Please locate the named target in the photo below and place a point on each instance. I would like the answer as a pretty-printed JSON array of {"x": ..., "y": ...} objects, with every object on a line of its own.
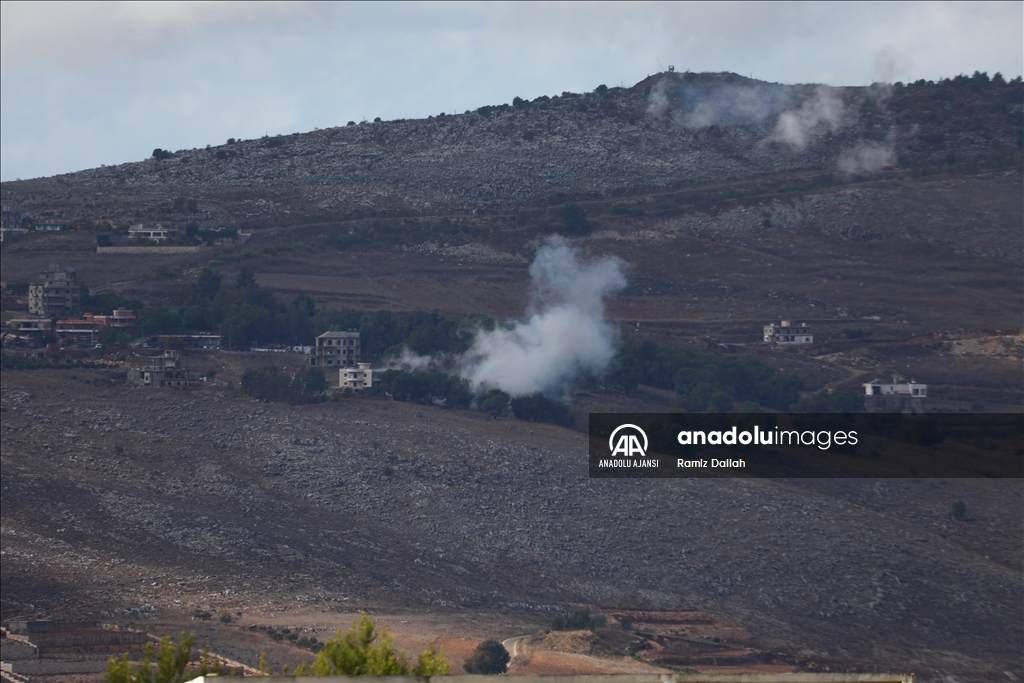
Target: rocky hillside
[
  {"x": 670, "y": 130},
  {"x": 121, "y": 503}
]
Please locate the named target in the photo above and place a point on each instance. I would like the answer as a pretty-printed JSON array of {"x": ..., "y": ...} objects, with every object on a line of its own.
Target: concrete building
[
  {"x": 358, "y": 378},
  {"x": 86, "y": 330},
  {"x": 879, "y": 395},
  {"x": 166, "y": 370},
  {"x": 787, "y": 333},
  {"x": 52, "y": 226},
  {"x": 57, "y": 293},
  {"x": 12, "y": 223},
  {"x": 336, "y": 350},
  {"x": 158, "y": 233}
]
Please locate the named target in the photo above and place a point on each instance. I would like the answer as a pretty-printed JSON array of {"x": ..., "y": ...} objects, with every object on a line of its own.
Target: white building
[
  {"x": 336, "y": 349},
  {"x": 156, "y": 234},
  {"x": 906, "y": 395},
  {"x": 357, "y": 378},
  {"x": 787, "y": 332}
]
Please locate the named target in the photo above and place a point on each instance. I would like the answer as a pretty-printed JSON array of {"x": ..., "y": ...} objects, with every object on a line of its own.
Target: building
[
  {"x": 358, "y": 378},
  {"x": 787, "y": 333},
  {"x": 52, "y": 226},
  {"x": 904, "y": 395},
  {"x": 86, "y": 330},
  {"x": 30, "y": 326},
  {"x": 58, "y": 293},
  {"x": 12, "y": 223},
  {"x": 336, "y": 350},
  {"x": 157, "y": 233},
  {"x": 166, "y": 370}
]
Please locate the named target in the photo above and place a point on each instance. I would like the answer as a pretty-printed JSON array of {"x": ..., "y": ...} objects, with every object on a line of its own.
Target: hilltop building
[
  {"x": 167, "y": 370},
  {"x": 787, "y": 333},
  {"x": 58, "y": 293},
  {"x": 358, "y": 378},
  {"x": 336, "y": 349},
  {"x": 156, "y": 234},
  {"x": 904, "y": 395}
]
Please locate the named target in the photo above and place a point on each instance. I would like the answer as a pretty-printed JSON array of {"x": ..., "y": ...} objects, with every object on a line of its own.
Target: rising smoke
[
  {"x": 563, "y": 335},
  {"x": 816, "y": 116}
]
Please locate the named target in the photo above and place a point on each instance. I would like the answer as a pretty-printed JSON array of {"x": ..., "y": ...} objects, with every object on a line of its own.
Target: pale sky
[{"x": 84, "y": 84}]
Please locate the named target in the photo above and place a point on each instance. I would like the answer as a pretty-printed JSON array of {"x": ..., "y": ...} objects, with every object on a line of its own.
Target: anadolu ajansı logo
[{"x": 628, "y": 443}]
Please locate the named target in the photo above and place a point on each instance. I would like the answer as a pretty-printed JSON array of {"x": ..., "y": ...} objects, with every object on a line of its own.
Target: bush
[
  {"x": 495, "y": 403},
  {"x": 489, "y": 657},
  {"x": 959, "y": 511},
  {"x": 171, "y": 660},
  {"x": 271, "y": 384},
  {"x": 577, "y": 621},
  {"x": 574, "y": 220},
  {"x": 364, "y": 652},
  {"x": 539, "y": 408}
]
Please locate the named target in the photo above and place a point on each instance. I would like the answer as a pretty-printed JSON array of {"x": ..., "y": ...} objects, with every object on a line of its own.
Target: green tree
[
  {"x": 489, "y": 657},
  {"x": 246, "y": 277},
  {"x": 362, "y": 651},
  {"x": 574, "y": 220},
  {"x": 171, "y": 660},
  {"x": 495, "y": 403}
]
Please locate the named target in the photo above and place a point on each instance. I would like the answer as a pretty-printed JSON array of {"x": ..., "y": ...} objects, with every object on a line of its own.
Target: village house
[
  {"x": 86, "y": 330},
  {"x": 904, "y": 395},
  {"x": 336, "y": 349},
  {"x": 158, "y": 233},
  {"x": 358, "y": 378},
  {"x": 787, "y": 332},
  {"x": 166, "y": 370}
]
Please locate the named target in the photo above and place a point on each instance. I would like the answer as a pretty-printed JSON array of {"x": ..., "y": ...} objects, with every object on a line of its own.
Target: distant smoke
[
  {"x": 563, "y": 335},
  {"x": 821, "y": 114},
  {"x": 699, "y": 105},
  {"x": 868, "y": 157}
]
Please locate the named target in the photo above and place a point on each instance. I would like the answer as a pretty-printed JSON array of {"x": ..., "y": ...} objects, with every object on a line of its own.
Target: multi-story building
[
  {"x": 787, "y": 332},
  {"x": 58, "y": 293},
  {"x": 336, "y": 350},
  {"x": 357, "y": 378}
]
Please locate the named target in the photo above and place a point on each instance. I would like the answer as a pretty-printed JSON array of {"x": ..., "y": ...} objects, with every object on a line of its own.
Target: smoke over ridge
[{"x": 563, "y": 334}]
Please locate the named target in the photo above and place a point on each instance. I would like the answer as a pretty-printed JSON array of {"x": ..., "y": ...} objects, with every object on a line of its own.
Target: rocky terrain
[
  {"x": 733, "y": 203},
  {"x": 670, "y": 130},
  {"x": 126, "y": 504}
]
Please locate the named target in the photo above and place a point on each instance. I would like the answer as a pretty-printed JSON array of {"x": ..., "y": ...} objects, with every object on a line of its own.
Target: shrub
[
  {"x": 495, "y": 403},
  {"x": 574, "y": 220},
  {"x": 539, "y": 408},
  {"x": 489, "y": 657},
  {"x": 959, "y": 511},
  {"x": 362, "y": 651}
]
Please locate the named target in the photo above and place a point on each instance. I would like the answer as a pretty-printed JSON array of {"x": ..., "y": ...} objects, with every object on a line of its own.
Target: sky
[{"x": 86, "y": 84}]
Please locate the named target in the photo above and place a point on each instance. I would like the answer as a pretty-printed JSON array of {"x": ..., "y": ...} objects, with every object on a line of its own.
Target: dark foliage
[
  {"x": 574, "y": 220},
  {"x": 703, "y": 382},
  {"x": 843, "y": 401},
  {"x": 271, "y": 384},
  {"x": 577, "y": 621},
  {"x": 539, "y": 408},
  {"x": 489, "y": 657},
  {"x": 427, "y": 387}
]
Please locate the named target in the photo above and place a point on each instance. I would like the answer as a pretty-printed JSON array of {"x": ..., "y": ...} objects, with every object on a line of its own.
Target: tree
[
  {"x": 171, "y": 660},
  {"x": 246, "y": 277},
  {"x": 362, "y": 651},
  {"x": 495, "y": 403},
  {"x": 574, "y": 220},
  {"x": 208, "y": 284},
  {"x": 489, "y": 657}
]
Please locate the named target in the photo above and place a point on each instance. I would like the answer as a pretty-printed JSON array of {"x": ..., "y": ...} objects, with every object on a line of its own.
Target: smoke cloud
[
  {"x": 821, "y": 114},
  {"x": 563, "y": 334},
  {"x": 868, "y": 157}
]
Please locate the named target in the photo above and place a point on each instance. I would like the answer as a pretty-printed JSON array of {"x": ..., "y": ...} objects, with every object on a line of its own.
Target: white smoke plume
[
  {"x": 564, "y": 333},
  {"x": 822, "y": 113},
  {"x": 867, "y": 157}
]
